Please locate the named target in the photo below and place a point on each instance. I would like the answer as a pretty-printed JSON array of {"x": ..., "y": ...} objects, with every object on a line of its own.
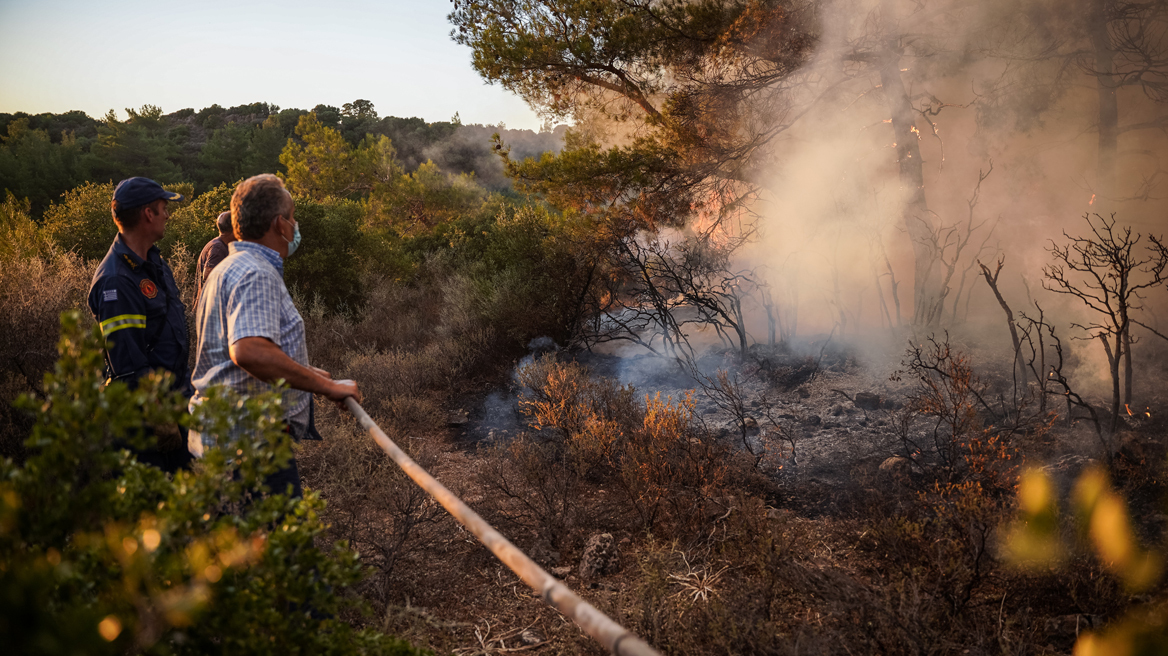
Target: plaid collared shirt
[{"x": 245, "y": 296}]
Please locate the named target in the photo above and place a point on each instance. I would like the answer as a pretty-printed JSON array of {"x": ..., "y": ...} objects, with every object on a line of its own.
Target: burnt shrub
[
  {"x": 668, "y": 471},
  {"x": 373, "y": 505},
  {"x": 535, "y": 487}
]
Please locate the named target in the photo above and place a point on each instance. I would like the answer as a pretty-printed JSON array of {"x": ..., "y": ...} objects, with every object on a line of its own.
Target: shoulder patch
[
  {"x": 110, "y": 295},
  {"x": 149, "y": 289}
]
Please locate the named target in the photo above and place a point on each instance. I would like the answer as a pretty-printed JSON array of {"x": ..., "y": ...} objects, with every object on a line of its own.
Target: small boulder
[
  {"x": 813, "y": 420},
  {"x": 458, "y": 418},
  {"x": 867, "y": 401},
  {"x": 531, "y": 637},
  {"x": 897, "y": 468},
  {"x": 600, "y": 557}
]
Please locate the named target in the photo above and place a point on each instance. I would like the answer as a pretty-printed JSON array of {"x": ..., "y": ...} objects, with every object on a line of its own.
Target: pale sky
[{"x": 60, "y": 55}]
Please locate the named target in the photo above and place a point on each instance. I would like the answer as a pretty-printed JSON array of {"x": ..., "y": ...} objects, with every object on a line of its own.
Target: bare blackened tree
[
  {"x": 1044, "y": 358},
  {"x": 948, "y": 245},
  {"x": 660, "y": 288},
  {"x": 893, "y": 36},
  {"x": 992, "y": 280},
  {"x": 1038, "y": 351},
  {"x": 1106, "y": 273},
  {"x": 700, "y": 274},
  {"x": 1128, "y": 47}
]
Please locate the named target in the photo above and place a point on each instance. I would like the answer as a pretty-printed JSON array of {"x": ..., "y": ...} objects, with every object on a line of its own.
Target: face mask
[{"x": 295, "y": 243}]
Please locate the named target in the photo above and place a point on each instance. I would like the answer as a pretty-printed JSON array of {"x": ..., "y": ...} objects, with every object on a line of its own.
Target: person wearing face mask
[{"x": 249, "y": 333}]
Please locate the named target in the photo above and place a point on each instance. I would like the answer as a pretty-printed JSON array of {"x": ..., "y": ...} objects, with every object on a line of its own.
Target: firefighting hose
[{"x": 613, "y": 636}]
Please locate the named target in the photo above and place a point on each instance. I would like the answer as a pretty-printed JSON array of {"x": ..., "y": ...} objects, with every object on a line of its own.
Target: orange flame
[
  {"x": 1129, "y": 412},
  {"x": 1092, "y": 201}
]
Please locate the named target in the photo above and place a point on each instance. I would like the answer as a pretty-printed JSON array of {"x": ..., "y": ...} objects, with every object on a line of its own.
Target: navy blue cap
[{"x": 136, "y": 192}]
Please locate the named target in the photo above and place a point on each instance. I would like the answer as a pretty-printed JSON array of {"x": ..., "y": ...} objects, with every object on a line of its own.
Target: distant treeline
[{"x": 44, "y": 155}]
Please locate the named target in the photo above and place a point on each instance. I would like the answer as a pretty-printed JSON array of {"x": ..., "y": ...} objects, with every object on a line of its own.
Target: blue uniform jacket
[{"x": 137, "y": 304}]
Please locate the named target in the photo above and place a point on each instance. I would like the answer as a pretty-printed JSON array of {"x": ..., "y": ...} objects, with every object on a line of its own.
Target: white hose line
[{"x": 613, "y": 636}]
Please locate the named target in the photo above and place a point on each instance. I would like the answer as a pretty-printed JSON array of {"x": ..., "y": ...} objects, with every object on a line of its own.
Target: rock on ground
[{"x": 601, "y": 556}]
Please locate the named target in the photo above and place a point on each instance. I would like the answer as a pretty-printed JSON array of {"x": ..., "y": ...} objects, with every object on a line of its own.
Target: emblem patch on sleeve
[
  {"x": 149, "y": 289},
  {"x": 110, "y": 295}
]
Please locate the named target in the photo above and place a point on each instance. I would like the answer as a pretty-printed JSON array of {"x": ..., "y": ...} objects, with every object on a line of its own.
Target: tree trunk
[
  {"x": 895, "y": 285},
  {"x": 918, "y": 223},
  {"x": 1104, "y": 67},
  {"x": 768, "y": 303},
  {"x": 1127, "y": 366},
  {"x": 1113, "y": 367},
  {"x": 992, "y": 281}
]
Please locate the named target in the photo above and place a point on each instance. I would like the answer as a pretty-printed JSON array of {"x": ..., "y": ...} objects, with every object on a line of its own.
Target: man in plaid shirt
[{"x": 249, "y": 332}]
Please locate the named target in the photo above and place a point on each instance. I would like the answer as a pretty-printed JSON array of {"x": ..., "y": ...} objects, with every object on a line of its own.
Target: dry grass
[{"x": 33, "y": 294}]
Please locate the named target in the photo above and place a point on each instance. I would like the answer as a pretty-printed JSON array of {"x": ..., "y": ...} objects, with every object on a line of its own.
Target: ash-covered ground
[{"x": 826, "y": 409}]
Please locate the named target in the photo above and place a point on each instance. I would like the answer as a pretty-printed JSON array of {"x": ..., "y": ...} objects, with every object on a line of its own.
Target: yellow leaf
[
  {"x": 1111, "y": 531},
  {"x": 110, "y": 628},
  {"x": 1089, "y": 487},
  {"x": 1035, "y": 492}
]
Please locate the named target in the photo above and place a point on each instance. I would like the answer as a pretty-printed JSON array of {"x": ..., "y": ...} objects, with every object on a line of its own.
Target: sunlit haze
[{"x": 62, "y": 55}]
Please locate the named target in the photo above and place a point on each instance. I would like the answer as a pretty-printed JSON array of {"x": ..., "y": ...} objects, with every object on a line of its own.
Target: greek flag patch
[{"x": 110, "y": 295}]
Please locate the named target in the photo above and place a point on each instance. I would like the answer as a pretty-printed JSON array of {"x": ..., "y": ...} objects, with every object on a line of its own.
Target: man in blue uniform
[{"x": 135, "y": 300}]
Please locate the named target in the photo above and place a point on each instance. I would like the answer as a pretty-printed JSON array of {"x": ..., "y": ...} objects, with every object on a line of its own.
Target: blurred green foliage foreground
[{"x": 101, "y": 554}]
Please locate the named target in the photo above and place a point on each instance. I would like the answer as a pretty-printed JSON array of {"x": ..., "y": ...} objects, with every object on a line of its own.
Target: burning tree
[{"x": 1106, "y": 272}]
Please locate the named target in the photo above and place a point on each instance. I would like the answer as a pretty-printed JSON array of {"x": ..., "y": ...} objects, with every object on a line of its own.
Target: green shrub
[
  {"x": 100, "y": 554},
  {"x": 193, "y": 223},
  {"x": 326, "y": 265},
  {"x": 82, "y": 221}
]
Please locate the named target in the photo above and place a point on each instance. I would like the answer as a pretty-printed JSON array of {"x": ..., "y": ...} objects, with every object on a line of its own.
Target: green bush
[
  {"x": 100, "y": 554},
  {"x": 326, "y": 267},
  {"x": 82, "y": 221},
  {"x": 193, "y": 223}
]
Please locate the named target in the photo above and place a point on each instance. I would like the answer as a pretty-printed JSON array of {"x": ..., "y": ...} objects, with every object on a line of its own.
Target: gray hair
[
  {"x": 256, "y": 202},
  {"x": 224, "y": 223}
]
